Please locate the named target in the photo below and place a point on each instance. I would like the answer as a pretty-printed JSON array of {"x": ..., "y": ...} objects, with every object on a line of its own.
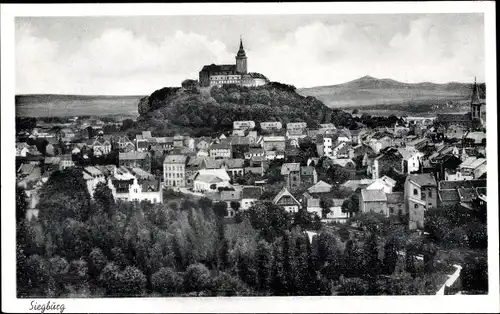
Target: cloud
[{"x": 120, "y": 61}]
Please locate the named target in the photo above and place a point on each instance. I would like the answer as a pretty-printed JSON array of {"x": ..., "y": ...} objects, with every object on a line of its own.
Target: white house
[
  {"x": 385, "y": 183},
  {"x": 336, "y": 214},
  {"x": 128, "y": 187},
  {"x": 471, "y": 168},
  {"x": 410, "y": 159},
  {"x": 210, "y": 180}
]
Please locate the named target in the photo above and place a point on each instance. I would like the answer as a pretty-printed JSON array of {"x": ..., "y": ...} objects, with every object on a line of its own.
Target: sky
[{"x": 139, "y": 54}]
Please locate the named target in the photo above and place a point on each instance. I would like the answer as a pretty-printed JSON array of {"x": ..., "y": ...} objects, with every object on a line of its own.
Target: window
[
  {"x": 430, "y": 193},
  {"x": 415, "y": 192},
  {"x": 391, "y": 210},
  {"x": 416, "y": 206}
]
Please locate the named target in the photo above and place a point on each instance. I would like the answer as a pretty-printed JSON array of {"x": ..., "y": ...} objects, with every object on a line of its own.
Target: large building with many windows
[
  {"x": 220, "y": 74},
  {"x": 174, "y": 170}
]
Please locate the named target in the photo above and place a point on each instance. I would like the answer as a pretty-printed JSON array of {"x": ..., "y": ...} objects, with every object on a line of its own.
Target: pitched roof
[
  {"x": 449, "y": 195},
  {"x": 395, "y": 197},
  {"x": 388, "y": 180},
  {"x": 344, "y": 162},
  {"x": 175, "y": 159},
  {"x": 448, "y": 185},
  {"x": 423, "y": 179},
  {"x": 52, "y": 160},
  {"x": 208, "y": 178},
  {"x": 220, "y": 173},
  {"x": 251, "y": 192},
  {"x": 230, "y": 195},
  {"x": 286, "y": 168},
  {"x": 467, "y": 194},
  {"x": 234, "y": 162},
  {"x": 219, "y": 68},
  {"x": 284, "y": 192},
  {"x": 26, "y": 168},
  {"x": 93, "y": 171},
  {"x": 373, "y": 195},
  {"x": 307, "y": 171},
  {"x": 472, "y": 162},
  {"x": 133, "y": 155},
  {"x": 321, "y": 185},
  {"x": 220, "y": 146}
]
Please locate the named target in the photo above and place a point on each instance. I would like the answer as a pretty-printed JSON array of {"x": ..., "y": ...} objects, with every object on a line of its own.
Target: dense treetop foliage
[{"x": 218, "y": 107}]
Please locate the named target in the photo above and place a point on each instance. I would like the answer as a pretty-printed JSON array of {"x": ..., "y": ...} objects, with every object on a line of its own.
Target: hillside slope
[
  {"x": 216, "y": 108},
  {"x": 368, "y": 91}
]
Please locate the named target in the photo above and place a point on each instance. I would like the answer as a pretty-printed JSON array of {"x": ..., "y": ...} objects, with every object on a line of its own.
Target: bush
[
  {"x": 166, "y": 281},
  {"x": 197, "y": 278}
]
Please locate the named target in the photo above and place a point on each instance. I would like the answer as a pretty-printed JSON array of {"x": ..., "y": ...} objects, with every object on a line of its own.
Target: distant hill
[
  {"x": 50, "y": 105},
  {"x": 215, "y": 109},
  {"x": 367, "y": 91}
]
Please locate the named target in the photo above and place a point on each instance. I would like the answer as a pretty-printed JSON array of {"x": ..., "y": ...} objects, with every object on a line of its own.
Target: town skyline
[{"x": 124, "y": 56}]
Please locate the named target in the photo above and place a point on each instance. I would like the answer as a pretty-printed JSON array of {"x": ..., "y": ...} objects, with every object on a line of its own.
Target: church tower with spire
[
  {"x": 241, "y": 60},
  {"x": 475, "y": 104}
]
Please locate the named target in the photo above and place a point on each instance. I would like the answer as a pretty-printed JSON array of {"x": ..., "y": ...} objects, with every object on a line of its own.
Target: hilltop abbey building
[{"x": 219, "y": 74}]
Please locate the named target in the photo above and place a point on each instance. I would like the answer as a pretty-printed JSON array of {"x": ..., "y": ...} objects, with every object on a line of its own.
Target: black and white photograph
[{"x": 247, "y": 153}]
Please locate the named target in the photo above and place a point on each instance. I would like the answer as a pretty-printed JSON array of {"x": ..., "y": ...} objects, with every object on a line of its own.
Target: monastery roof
[{"x": 219, "y": 68}]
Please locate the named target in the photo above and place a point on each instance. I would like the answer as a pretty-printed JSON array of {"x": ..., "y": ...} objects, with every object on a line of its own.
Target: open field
[{"x": 75, "y": 105}]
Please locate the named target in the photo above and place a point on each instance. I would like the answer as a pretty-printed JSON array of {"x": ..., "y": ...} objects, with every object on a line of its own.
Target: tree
[
  {"x": 264, "y": 265},
  {"x": 302, "y": 218},
  {"x": 58, "y": 269},
  {"x": 37, "y": 274},
  {"x": 338, "y": 174},
  {"x": 390, "y": 256},
  {"x": 352, "y": 259},
  {"x": 371, "y": 261},
  {"x": 104, "y": 199},
  {"x": 475, "y": 275},
  {"x": 271, "y": 220},
  {"x": 127, "y": 124},
  {"x": 21, "y": 204},
  {"x": 226, "y": 285},
  {"x": 352, "y": 286},
  {"x": 235, "y": 206},
  {"x": 351, "y": 205},
  {"x": 326, "y": 203},
  {"x": 65, "y": 195},
  {"x": 78, "y": 273},
  {"x": 197, "y": 278},
  {"x": 167, "y": 281},
  {"x": 220, "y": 209},
  {"x": 132, "y": 282}
]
